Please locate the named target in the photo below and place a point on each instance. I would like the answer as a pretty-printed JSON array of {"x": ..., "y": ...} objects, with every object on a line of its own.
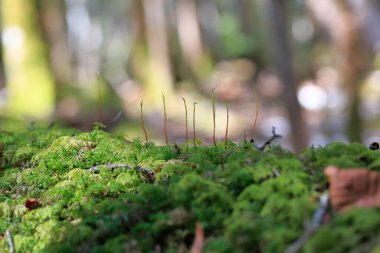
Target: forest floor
[{"x": 62, "y": 190}]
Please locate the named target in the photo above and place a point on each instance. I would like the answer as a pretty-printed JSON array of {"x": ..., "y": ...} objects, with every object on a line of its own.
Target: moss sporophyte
[{"x": 62, "y": 190}]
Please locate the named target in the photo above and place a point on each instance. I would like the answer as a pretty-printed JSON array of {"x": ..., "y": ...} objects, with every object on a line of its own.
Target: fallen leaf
[
  {"x": 32, "y": 204},
  {"x": 353, "y": 188}
]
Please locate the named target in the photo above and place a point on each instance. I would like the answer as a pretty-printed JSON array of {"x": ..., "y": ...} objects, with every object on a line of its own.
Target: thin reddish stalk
[
  {"x": 213, "y": 114},
  {"x": 99, "y": 100},
  {"x": 195, "y": 145},
  {"x": 187, "y": 135},
  {"x": 257, "y": 113},
  {"x": 165, "y": 124},
  {"x": 226, "y": 134},
  {"x": 142, "y": 122}
]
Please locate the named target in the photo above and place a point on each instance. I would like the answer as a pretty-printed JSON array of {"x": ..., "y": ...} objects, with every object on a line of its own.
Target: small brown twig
[
  {"x": 245, "y": 136},
  {"x": 142, "y": 122},
  {"x": 198, "y": 240},
  {"x": 99, "y": 99},
  {"x": 195, "y": 145},
  {"x": 110, "y": 166},
  {"x": 187, "y": 136},
  {"x": 165, "y": 124},
  {"x": 257, "y": 114},
  {"x": 226, "y": 134},
  {"x": 272, "y": 138}
]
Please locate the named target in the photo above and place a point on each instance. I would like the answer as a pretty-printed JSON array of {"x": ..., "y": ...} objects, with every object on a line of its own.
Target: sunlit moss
[{"x": 247, "y": 200}]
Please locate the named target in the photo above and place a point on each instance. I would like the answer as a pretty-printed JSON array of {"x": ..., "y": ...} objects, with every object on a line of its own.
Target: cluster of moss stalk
[{"x": 213, "y": 116}]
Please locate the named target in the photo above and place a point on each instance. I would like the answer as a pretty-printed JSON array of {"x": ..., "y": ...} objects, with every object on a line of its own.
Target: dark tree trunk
[{"x": 282, "y": 57}]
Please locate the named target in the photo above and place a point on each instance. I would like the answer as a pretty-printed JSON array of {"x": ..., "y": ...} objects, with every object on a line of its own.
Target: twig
[
  {"x": 271, "y": 139},
  {"x": 142, "y": 122},
  {"x": 257, "y": 114},
  {"x": 165, "y": 124},
  {"x": 311, "y": 227},
  {"x": 111, "y": 166},
  {"x": 276, "y": 172},
  {"x": 226, "y": 134},
  {"x": 199, "y": 239},
  {"x": 195, "y": 145},
  {"x": 115, "y": 119},
  {"x": 10, "y": 241},
  {"x": 177, "y": 149}
]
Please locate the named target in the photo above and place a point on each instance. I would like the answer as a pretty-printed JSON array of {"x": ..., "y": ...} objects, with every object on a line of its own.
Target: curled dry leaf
[
  {"x": 32, "y": 204},
  {"x": 199, "y": 239},
  {"x": 353, "y": 188}
]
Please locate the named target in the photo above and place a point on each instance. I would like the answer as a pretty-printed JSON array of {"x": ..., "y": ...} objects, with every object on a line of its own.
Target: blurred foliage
[{"x": 54, "y": 51}]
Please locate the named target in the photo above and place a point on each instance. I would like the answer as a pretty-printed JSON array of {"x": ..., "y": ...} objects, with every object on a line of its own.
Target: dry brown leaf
[
  {"x": 353, "y": 188},
  {"x": 32, "y": 204}
]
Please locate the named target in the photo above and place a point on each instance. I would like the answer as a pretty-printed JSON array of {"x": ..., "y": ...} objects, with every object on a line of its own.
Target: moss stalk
[
  {"x": 257, "y": 114},
  {"x": 186, "y": 128},
  {"x": 213, "y": 114},
  {"x": 195, "y": 145},
  {"x": 165, "y": 120},
  {"x": 142, "y": 122},
  {"x": 226, "y": 134},
  {"x": 99, "y": 99}
]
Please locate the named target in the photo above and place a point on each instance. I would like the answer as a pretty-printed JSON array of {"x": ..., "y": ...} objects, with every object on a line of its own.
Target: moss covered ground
[{"x": 148, "y": 198}]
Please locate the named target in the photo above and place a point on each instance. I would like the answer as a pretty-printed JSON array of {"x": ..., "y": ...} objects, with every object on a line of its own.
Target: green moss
[
  {"x": 210, "y": 202},
  {"x": 247, "y": 200},
  {"x": 353, "y": 229}
]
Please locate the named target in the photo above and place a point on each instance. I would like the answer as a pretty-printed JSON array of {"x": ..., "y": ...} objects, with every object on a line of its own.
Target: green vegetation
[{"x": 246, "y": 199}]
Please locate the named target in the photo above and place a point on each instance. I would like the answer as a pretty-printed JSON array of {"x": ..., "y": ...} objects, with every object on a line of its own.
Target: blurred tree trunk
[
  {"x": 2, "y": 71},
  {"x": 138, "y": 55},
  {"x": 150, "y": 61},
  {"x": 30, "y": 81},
  {"x": 208, "y": 26},
  {"x": 189, "y": 33},
  {"x": 354, "y": 66},
  {"x": 52, "y": 19},
  {"x": 282, "y": 57},
  {"x": 161, "y": 77},
  {"x": 368, "y": 13},
  {"x": 342, "y": 25},
  {"x": 243, "y": 8}
]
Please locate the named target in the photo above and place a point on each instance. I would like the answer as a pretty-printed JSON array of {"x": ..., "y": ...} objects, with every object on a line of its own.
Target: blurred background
[{"x": 313, "y": 66}]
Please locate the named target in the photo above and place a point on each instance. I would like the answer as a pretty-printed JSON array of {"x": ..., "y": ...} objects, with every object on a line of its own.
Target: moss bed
[{"x": 246, "y": 199}]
